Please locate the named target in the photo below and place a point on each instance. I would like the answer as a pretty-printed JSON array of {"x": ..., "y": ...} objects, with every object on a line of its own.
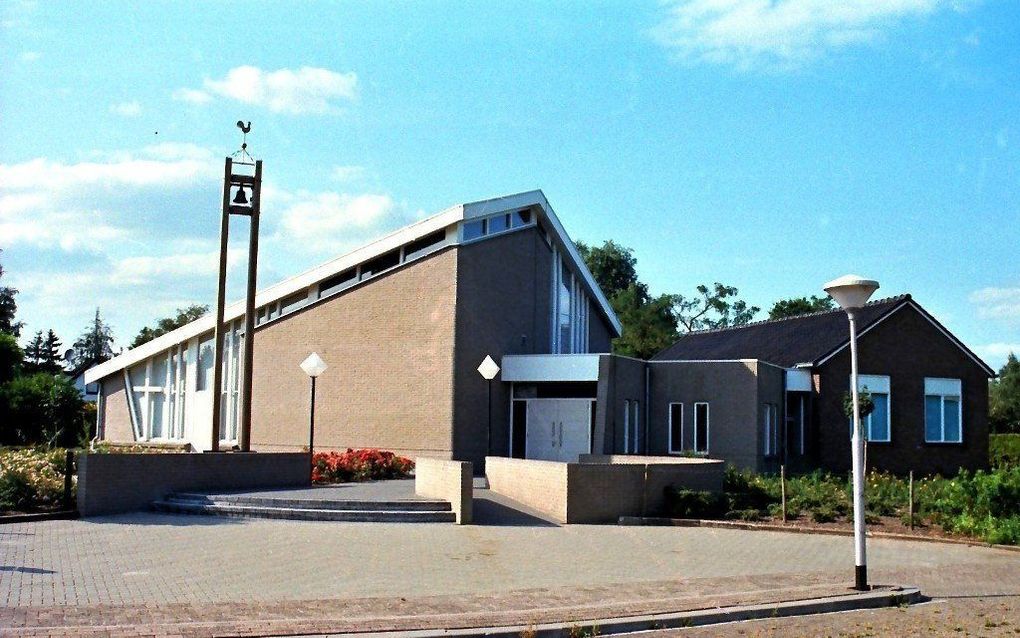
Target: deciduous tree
[
  {"x": 715, "y": 306},
  {"x": 167, "y": 324},
  {"x": 800, "y": 306},
  {"x": 8, "y": 308},
  {"x": 1004, "y": 398}
]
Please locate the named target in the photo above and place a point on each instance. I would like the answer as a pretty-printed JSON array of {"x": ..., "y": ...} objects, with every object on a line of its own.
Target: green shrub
[
  {"x": 42, "y": 409},
  {"x": 1004, "y": 450},
  {"x": 31, "y": 479},
  {"x": 683, "y": 503}
]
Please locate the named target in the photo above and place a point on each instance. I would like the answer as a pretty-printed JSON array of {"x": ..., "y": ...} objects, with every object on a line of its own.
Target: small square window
[
  {"x": 498, "y": 224},
  {"x": 474, "y": 230},
  {"x": 521, "y": 218}
]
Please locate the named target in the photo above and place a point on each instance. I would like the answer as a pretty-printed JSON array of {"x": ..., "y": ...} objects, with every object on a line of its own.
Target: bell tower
[{"x": 242, "y": 174}]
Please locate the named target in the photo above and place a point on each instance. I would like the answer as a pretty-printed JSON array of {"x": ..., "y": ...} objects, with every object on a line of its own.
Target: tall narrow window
[
  {"x": 564, "y": 310},
  {"x": 626, "y": 426},
  {"x": 157, "y": 406},
  {"x": 770, "y": 427},
  {"x": 676, "y": 428},
  {"x": 636, "y": 427},
  {"x": 206, "y": 358},
  {"x": 701, "y": 428},
  {"x": 943, "y": 411}
]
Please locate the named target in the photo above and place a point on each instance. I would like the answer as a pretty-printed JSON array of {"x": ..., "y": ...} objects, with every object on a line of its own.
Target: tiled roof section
[{"x": 785, "y": 342}]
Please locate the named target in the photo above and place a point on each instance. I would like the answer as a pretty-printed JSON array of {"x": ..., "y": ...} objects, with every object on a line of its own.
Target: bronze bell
[{"x": 241, "y": 198}]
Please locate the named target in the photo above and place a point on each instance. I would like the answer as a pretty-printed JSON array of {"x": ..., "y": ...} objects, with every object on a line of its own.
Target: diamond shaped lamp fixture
[
  {"x": 488, "y": 369},
  {"x": 313, "y": 365}
]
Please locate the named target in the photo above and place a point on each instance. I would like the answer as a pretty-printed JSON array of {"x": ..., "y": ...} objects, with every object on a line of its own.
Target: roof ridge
[{"x": 896, "y": 298}]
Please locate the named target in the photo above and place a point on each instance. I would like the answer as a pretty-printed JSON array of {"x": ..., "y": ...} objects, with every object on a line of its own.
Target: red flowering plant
[{"x": 359, "y": 465}]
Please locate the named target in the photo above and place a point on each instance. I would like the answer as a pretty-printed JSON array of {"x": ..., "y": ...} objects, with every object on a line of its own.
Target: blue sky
[{"x": 770, "y": 145}]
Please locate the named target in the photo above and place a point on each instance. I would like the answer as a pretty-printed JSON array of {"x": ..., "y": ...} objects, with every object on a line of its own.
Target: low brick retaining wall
[
  {"x": 599, "y": 489},
  {"x": 447, "y": 480},
  {"x": 113, "y": 483}
]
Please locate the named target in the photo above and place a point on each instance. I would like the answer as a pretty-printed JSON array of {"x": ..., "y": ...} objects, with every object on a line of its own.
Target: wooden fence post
[
  {"x": 910, "y": 508},
  {"x": 68, "y": 471},
  {"x": 782, "y": 486}
]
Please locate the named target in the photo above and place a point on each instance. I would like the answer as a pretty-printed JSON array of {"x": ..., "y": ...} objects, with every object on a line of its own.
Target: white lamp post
[
  {"x": 851, "y": 292},
  {"x": 313, "y": 366},
  {"x": 488, "y": 369}
]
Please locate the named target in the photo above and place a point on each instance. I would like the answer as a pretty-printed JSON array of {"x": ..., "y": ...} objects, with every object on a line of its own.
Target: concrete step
[
  {"x": 303, "y": 514},
  {"x": 408, "y": 505}
]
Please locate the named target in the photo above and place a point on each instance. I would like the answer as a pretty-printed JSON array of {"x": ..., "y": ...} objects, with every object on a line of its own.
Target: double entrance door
[{"x": 558, "y": 429}]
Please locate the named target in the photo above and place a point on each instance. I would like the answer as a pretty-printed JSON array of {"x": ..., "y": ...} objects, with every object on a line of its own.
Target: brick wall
[
  {"x": 447, "y": 480},
  {"x": 731, "y": 390},
  {"x": 595, "y": 491},
  {"x": 503, "y": 296},
  {"x": 907, "y": 348},
  {"x": 389, "y": 348},
  {"x": 111, "y": 483},
  {"x": 116, "y": 418}
]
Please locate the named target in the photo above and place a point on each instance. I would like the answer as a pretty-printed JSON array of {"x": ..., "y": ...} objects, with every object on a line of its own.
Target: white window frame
[
  {"x": 679, "y": 447},
  {"x": 172, "y": 383},
  {"x": 875, "y": 384},
  {"x": 708, "y": 427},
  {"x": 943, "y": 388}
]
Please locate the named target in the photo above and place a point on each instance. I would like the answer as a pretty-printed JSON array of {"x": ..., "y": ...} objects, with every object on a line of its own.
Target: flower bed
[
  {"x": 359, "y": 465},
  {"x": 31, "y": 480}
]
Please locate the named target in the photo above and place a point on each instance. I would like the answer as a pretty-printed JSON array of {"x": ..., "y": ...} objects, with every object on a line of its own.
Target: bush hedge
[{"x": 980, "y": 504}]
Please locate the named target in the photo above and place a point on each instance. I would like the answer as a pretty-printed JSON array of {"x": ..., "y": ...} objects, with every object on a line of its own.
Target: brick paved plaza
[{"x": 204, "y": 575}]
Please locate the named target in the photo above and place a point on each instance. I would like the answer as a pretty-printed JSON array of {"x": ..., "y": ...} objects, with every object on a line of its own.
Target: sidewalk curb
[
  {"x": 801, "y": 529},
  {"x": 62, "y": 515},
  {"x": 890, "y": 597}
]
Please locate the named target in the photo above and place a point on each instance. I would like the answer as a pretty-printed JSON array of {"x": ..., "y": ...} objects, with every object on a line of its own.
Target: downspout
[{"x": 648, "y": 406}]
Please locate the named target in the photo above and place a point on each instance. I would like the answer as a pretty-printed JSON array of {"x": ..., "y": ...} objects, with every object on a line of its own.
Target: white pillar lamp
[{"x": 851, "y": 292}]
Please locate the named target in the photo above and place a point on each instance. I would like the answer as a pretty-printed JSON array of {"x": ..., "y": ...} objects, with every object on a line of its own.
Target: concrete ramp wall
[
  {"x": 113, "y": 483},
  {"x": 447, "y": 480},
  {"x": 600, "y": 489}
]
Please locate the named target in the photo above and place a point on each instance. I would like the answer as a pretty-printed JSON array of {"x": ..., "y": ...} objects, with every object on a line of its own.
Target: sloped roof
[
  {"x": 531, "y": 199},
  {"x": 807, "y": 339}
]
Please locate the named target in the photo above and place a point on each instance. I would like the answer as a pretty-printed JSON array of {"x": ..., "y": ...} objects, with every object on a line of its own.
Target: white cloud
[
  {"x": 348, "y": 173},
  {"x": 304, "y": 90},
  {"x": 30, "y": 56},
  {"x": 997, "y": 303},
  {"x": 780, "y": 34},
  {"x": 331, "y": 221},
  {"x": 144, "y": 270},
  {"x": 127, "y": 109},
  {"x": 47, "y": 203},
  {"x": 193, "y": 96},
  {"x": 997, "y": 352}
]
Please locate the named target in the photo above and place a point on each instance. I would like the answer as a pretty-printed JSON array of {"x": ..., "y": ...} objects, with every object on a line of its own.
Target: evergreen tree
[
  {"x": 95, "y": 345},
  {"x": 51, "y": 357},
  {"x": 34, "y": 353},
  {"x": 8, "y": 308}
]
